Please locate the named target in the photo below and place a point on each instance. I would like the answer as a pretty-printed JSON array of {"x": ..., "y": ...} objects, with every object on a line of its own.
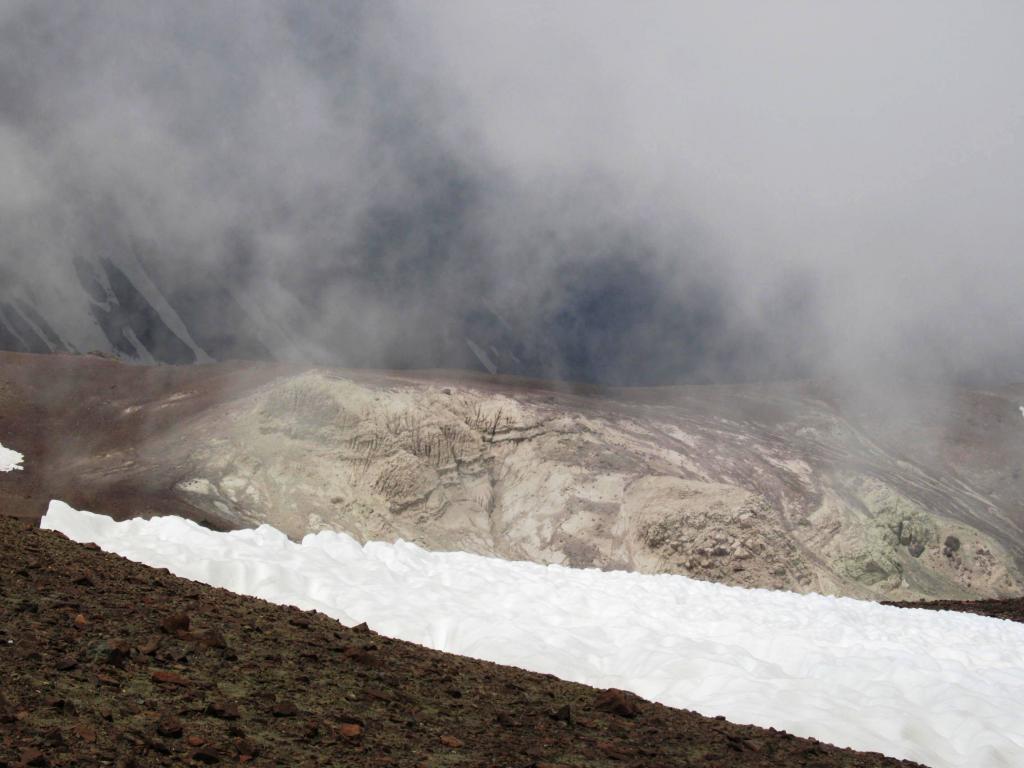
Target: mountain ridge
[{"x": 766, "y": 485}]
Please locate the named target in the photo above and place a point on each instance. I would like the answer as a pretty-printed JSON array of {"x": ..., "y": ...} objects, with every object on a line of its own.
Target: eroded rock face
[{"x": 770, "y": 493}]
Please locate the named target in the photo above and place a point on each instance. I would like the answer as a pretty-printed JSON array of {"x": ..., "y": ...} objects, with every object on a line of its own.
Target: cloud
[{"x": 698, "y": 191}]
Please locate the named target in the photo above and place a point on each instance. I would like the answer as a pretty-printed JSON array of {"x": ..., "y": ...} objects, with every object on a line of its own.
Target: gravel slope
[{"x": 107, "y": 662}]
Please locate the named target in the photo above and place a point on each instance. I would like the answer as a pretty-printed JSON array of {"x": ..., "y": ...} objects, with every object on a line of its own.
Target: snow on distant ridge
[
  {"x": 10, "y": 460},
  {"x": 941, "y": 688}
]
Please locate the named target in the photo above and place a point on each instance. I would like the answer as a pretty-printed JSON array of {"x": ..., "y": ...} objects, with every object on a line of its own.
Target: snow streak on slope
[
  {"x": 941, "y": 688},
  {"x": 9, "y": 460}
]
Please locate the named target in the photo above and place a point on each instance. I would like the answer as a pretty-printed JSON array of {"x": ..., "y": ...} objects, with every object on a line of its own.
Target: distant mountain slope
[
  {"x": 117, "y": 306},
  {"x": 768, "y": 485},
  {"x": 131, "y": 308}
]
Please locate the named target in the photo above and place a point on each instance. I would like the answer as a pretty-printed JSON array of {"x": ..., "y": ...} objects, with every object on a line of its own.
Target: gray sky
[{"x": 706, "y": 190}]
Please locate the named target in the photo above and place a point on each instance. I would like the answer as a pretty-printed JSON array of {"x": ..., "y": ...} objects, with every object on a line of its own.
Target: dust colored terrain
[{"x": 794, "y": 486}]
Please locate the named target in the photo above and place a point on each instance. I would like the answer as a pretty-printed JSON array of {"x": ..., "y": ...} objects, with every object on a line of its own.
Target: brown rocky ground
[
  {"x": 107, "y": 662},
  {"x": 1012, "y": 610},
  {"x": 65, "y": 413}
]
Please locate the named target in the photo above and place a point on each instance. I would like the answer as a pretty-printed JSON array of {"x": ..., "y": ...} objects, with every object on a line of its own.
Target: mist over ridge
[{"x": 669, "y": 192}]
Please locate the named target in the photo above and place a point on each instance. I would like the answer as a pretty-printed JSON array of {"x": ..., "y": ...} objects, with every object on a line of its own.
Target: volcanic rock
[
  {"x": 225, "y": 710},
  {"x": 617, "y": 702},
  {"x": 168, "y": 678},
  {"x": 284, "y": 708},
  {"x": 175, "y": 622},
  {"x": 170, "y": 727},
  {"x": 117, "y": 652}
]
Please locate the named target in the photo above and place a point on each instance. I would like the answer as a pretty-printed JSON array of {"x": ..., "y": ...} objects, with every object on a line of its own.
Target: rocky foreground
[
  {"x": 1011, "y": 610},
  {"x": 107, "y": 662}
]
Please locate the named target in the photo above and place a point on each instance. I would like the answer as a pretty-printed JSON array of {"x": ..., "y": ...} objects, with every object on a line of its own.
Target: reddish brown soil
[
  {"x": 107, "y": 662},
  {"x": 1012, "y": 610},
  {"x": 71, "y": 417}
]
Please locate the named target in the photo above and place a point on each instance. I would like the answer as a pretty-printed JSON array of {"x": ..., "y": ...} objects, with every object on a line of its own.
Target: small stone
[
  {"x": 176, "y": 653},
  {"x": 754, "y": 745},
  {"x": 225, "y": 710},
  {"x": 170, "y": 727},
  {"x": 83, "y": 579},
  {"x": 310, "y": 730},
  {"x": 54, "y": 738},
  {"x": 195, "y": 741},
  {"x": 211, "y": 638},
  {"x": 207, "y": 755},
  {"x": 117, "y": 653},
  {"x": 245, "y": 748},
  {"x": 168, "y": 678},
  {"x": 32, "y": 756},
  {"x": 563, "y": 714},
  {"x": 55, "y": 702},
  {"x": 359, "y": 655},
  {"x": 66, "y": 664},
  {"x": 285, "y": 709},
  {"x": 158, "y": 746},
  {"x": 451, "y": 741},
  {"x": 616, "y": 702},
  {"x": 350, "y": 730},
  {"x": 614, "y": 751},
  {"x": 175, "y": 622},
  {"x": 80, "y": 621},
  {"x": 85, "y": 732},
  {"x": 151, "y": 646}
]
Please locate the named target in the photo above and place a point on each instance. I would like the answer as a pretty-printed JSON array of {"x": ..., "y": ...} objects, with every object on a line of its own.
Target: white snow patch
[
  {"x": 10, "y": 460},
  {"x": 941, "y": 688},
  {"x": 1022, "y": 411}
]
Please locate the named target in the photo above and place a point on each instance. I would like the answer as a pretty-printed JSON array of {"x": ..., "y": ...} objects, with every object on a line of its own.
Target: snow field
[
  {"x": 941, "y": 688},
  {"x": 9, "y": 460}
]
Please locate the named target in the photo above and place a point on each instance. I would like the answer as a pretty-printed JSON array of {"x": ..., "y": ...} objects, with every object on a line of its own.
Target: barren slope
[
  {"x": 106, "y": 662},
  {"x": 769, "y": 485}
]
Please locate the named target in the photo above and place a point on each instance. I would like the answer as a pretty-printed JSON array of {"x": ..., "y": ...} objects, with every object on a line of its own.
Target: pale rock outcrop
[{"x": 756, "y": 493}]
